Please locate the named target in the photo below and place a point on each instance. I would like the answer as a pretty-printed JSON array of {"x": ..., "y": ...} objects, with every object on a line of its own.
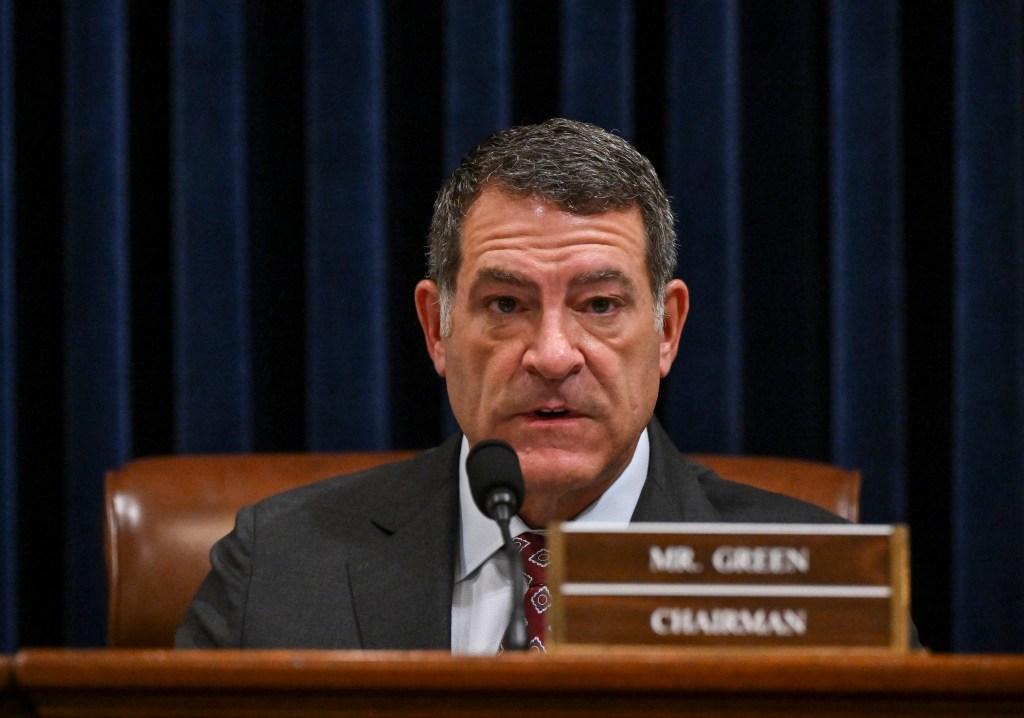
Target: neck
[{"x": 541, "y": 510}]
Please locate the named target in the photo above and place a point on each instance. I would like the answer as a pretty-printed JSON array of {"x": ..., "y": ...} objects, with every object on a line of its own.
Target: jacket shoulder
[
  {"x": 679, "y": 489},
  {"x": 738, "y": 502},
  {"x": 387, "y": 489}
]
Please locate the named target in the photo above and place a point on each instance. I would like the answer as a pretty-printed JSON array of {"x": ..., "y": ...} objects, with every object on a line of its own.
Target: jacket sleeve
[{"x": 214, "y": 619}]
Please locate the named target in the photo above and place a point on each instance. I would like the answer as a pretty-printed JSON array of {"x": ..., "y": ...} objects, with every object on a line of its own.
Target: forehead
[{"x": 500, "y": 228}]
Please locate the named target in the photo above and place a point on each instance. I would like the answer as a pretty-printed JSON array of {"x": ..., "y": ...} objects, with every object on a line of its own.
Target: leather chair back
[
  {"x": 163, "y": 514},
  {"x": 826, "y": 485}
]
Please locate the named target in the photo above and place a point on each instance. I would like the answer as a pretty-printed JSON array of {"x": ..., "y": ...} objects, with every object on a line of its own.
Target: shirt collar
[{"x": 481, "y": 537}]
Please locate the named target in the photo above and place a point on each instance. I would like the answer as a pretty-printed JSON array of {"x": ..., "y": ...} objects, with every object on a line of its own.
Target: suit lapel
[
  {"x": 672, "y": 492},
  {"x": 402, "y": 585}
]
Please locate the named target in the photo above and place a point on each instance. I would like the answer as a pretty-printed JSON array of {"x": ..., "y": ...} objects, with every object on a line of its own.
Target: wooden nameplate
[{"x": 735, "y": 585}]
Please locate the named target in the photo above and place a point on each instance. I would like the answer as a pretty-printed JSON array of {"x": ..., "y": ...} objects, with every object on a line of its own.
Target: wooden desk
[{"x": 586, "y": 685}]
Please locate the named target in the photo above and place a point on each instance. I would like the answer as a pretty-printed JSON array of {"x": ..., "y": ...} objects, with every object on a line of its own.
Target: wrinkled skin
[{"x": 554, "y": 346}]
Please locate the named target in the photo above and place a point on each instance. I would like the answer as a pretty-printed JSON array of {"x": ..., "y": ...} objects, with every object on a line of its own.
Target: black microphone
[{"x": 496, "y": 482}]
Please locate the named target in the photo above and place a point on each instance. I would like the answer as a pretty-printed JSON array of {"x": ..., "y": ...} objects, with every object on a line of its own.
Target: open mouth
[{"x": 551, "y": 413}]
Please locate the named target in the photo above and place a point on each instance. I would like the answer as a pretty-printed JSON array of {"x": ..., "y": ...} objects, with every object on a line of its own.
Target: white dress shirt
[{"x": 482, "y": 595}]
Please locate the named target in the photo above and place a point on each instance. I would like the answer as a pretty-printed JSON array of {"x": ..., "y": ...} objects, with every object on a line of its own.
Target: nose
[{"x": 554, "y": 352}]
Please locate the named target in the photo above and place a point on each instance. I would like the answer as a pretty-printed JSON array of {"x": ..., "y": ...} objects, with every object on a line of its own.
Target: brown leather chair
[
  {"x": 164, "y": 513},
  {"x": 825, "y": 485}
]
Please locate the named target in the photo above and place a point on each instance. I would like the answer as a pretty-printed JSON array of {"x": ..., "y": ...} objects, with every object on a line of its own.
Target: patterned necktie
[{"x": 537, "y": 599}]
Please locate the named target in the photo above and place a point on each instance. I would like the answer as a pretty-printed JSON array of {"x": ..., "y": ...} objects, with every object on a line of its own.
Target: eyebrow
[
  {"x": 501, "y": 276},
  {"x": 597, "y": 276},
  {"x": 604, "y": 275}
]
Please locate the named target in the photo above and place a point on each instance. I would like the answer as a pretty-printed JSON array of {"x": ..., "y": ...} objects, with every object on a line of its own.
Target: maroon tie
[{"x": 537, "y": 599}]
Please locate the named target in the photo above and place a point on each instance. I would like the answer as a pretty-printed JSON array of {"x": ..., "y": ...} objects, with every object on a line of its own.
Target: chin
[{"x": 552, "y": 469}]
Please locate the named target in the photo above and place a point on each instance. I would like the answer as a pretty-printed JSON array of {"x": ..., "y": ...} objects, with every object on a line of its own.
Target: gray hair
[{"x": 579, "y": 167}]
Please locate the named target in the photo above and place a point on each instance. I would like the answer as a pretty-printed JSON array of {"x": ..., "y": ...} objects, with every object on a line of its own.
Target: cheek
[
  {"x": 632, "y": 374},
  {"x": 625, "y": 358},
  {"x": 480, "y": 366}
]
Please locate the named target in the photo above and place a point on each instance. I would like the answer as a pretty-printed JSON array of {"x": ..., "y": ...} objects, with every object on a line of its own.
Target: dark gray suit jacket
[{"x": 366, "y": 560}]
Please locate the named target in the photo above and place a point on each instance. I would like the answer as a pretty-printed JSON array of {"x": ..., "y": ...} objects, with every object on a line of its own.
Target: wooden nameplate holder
[{"x": 735, "y": 585}]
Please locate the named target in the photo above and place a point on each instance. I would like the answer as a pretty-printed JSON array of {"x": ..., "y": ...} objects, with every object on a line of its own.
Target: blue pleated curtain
[{"x": 213, "y": 216}]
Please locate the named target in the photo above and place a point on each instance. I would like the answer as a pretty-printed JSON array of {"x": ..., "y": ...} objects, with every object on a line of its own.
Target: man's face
[{"x": 553, "y": 344}]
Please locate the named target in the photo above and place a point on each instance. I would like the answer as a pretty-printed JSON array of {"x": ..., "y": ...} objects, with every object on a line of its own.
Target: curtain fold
[
  {"x": 703, "y": 400},
  {"x": 97, "y": 357},
  {"x": 348, "y": 394},
  {"x": 8, "y": 348},
  {"x": 784, "y": 145},
  {"x": 868, "y": 353},
  {"x": 478, "y": 74},
  {"x": 597, "y": 63},
  {"x": 988, "y": 425},
  {"x": 213, "y": 368},
  {"x": 212, "y": 222}
]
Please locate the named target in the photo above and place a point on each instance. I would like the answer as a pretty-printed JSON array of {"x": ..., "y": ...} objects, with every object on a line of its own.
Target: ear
[
  {"x": 677, "y": 306},
  {"x": 428, "y": 309}
]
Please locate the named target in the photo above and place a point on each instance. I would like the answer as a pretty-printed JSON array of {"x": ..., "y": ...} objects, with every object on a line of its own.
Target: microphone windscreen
[{"x": 492, "y": 464}]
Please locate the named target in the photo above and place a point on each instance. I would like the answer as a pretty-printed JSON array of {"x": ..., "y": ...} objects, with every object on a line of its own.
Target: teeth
[{"x": 551, "y": 412}]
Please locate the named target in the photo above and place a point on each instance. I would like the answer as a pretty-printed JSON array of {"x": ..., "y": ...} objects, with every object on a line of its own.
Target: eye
[
  {"x": 601, "y": 305},
  {"x": 505, "y": 305}
]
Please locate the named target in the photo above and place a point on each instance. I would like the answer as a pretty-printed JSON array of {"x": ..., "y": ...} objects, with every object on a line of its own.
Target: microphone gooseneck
[{"x": 496, "y": 482}]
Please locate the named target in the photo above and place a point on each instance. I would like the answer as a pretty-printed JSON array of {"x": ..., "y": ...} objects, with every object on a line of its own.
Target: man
[{"x": 551, "y": 311}]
